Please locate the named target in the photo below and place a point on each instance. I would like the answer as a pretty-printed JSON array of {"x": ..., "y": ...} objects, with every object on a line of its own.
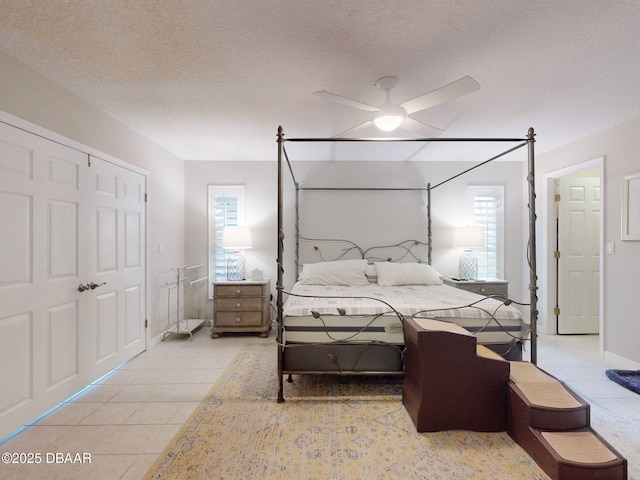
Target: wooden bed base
[
  {"x": 343, "y": 358},
  {"x": 361, "y": 359}
]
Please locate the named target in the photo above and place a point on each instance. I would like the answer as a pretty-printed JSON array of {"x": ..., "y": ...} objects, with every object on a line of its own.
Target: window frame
[
  {"x": 215, "y": 228},
  {"x": 496, "y": 192}
]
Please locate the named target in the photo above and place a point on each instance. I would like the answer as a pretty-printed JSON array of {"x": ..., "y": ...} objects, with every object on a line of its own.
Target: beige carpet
[{"x": 328, "y": 428}]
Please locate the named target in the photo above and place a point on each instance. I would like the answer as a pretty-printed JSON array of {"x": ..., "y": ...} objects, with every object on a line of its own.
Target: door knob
[
  {"x": 94, "y": 285},
  {"x": 82, "y": 287}
]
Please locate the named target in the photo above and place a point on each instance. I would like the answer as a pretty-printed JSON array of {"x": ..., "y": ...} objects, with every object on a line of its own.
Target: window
[
  {"x": 226, "y": 208},
  {"x": 488, "y": 213}
]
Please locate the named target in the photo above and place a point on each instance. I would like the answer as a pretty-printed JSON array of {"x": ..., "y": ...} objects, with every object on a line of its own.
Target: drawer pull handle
[
  {"x": 238, "y": 305},
  {"x": 238, "y": 291},
  {"x": 238, "y": 320},
  {"x": 483, "y": 289}
]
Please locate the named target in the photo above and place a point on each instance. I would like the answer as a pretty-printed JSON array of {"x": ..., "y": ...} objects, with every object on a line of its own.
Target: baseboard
[{"x": 625, "y": 363}]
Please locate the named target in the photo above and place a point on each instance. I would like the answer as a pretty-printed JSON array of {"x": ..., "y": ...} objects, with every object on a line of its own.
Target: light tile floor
[{"x": 127, "y": 419}]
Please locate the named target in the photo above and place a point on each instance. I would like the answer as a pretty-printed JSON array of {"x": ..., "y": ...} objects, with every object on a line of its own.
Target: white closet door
[
  {"x": 116, "y": 265},
  {"x": 42, "y": 210},
  {"x": 64, "y": 224}
]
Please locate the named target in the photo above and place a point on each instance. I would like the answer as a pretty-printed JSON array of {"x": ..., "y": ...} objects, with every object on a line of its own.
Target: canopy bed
[{"x": 345, "y": 313}]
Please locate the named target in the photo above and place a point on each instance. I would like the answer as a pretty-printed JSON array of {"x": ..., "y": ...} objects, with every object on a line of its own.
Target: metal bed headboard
[
  {"x": 283, "y": 160},
  {"x": 332, "y": 249}
]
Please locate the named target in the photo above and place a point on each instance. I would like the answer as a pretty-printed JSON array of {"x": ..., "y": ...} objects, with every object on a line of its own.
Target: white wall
[
  {"x": 363, "y": 217},
  {"x": 31, "y": 97},
  {"x": 617, "y": 145},
  {"x": 260, "y": 181}
]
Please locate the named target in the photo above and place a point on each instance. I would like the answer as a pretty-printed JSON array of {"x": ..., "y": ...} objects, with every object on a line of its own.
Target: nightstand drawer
[
  {"x": 238, "y": 304},
  {"x": 238, "y": 319},
  {"x": 487, "y": 289},
  {"x": 239, "y": 290},
  {"x": 481, "y": 287}
]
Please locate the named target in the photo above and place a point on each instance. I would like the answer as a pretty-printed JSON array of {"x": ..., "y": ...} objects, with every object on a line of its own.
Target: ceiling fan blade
[
  {"x": 419, "y": 128},
  {"x": 355, "y": 129},
  {"x": 455, "y": 89},
  {"x": 332, "y": 97}
]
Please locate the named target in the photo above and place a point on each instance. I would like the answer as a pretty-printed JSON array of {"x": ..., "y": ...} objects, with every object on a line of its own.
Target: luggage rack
[{"x": 186, "y": 322}]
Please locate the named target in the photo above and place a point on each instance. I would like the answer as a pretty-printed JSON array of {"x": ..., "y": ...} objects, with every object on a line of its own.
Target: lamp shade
[
  {"x": 236, "y": 238},
  {"x": 468, "y": 237}
]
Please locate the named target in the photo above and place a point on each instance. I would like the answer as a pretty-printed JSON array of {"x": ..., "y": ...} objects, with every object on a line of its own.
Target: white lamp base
[
  {"x": 468, "y": 266},
  {"x": 235, "y": 267}
]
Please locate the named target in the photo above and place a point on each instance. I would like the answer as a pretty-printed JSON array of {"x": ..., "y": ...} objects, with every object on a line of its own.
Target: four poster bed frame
[{"x": 290, "y": 359}]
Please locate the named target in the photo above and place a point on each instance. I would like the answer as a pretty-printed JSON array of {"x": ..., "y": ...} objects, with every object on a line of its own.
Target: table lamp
[
  {"x": 236, "y": 238},
  {"x": 468, "y": 238}
]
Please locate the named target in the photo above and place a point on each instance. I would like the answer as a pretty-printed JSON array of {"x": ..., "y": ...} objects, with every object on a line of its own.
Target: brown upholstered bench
[{"x": 552, "y": 424}]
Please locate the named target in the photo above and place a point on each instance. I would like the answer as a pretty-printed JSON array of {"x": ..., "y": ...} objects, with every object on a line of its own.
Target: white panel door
[
  {"x": 42, "y": 262},
  {"x": 579, "y": 263},
  {"x": 65, "y": 225},
  {"x": 116, "y": 266}
]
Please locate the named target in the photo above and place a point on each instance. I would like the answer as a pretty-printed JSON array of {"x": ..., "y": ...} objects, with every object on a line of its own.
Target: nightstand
[
  {"x": 493, "y": 286},
  {"x": 241, "y": 307}
]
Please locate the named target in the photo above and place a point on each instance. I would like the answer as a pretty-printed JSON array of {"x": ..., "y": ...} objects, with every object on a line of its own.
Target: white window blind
[
  {"x": 226, "y": 208},
  {"x": 488, "y": 213}
]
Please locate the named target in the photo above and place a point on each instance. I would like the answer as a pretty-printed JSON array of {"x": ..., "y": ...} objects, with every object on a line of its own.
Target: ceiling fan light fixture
[
  {"x": 388, "y": 121},
  {"x": 389, "y": 116}
]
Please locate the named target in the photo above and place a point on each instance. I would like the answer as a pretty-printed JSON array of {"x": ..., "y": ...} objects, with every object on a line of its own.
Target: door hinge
[
  {"x": 146, "y": 323},
  {"x": 146, "y": 197},
  {"x": 557, "y": 197},
  {"x": 556, "y": 311},
  {"x": 556, "y": 254}
]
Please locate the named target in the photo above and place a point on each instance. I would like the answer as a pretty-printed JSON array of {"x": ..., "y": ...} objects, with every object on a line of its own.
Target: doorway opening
[
  {"x": 572, "y": 249},
  {"x": 577, "y": 253}
]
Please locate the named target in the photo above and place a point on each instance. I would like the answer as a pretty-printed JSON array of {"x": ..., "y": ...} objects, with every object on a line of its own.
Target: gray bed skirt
[{"x": 361, "y": 359}]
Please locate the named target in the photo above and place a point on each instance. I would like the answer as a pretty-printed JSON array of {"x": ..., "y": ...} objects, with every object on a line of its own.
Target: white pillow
[
  {"x": 341, "y": 272},
  {"x": 390, "y": 274},
  {"x": 370, "y": 272}
]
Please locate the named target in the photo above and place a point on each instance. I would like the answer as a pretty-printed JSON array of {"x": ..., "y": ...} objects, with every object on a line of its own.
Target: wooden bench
[{"x": 552, "y": 424}]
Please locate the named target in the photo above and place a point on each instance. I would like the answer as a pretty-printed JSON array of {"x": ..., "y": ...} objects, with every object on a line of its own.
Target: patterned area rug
[{"x": 329, "y": 428}]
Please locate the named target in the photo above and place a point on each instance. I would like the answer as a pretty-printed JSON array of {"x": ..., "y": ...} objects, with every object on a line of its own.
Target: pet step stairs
[
  {"x": 544, "y": 402},
  {"x": 552, "y": 424},
  {"x": 451, "y": 382}
]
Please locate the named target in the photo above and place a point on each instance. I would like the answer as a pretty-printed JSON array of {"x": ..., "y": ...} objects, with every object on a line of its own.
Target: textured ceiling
[{"x": 212, "y": 80}]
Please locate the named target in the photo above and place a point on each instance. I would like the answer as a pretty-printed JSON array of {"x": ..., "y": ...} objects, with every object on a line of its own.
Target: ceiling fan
[{"x": 389, "y": 116}]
